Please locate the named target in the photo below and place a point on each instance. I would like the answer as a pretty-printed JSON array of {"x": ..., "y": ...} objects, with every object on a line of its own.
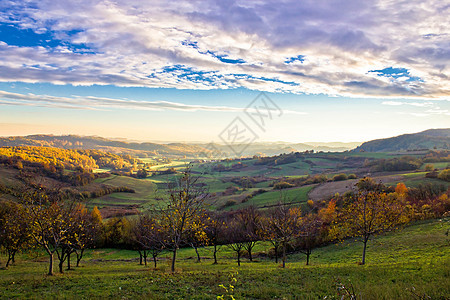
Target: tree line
[{"x": 70, "y": 159}]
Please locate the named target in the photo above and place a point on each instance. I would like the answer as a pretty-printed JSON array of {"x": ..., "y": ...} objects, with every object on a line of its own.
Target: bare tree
[
  {"x": 148, "y": 236},
  {"x": 310, "y": 234},
  {"x": 215, "y": 231},
  {"x": 186, "y": 203},
  {"x": 235, "y": 238},
  {"x": 249, "y": 219}
]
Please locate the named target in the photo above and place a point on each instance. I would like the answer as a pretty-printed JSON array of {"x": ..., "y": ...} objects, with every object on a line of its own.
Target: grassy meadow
[{"x": 415, "y": 260}]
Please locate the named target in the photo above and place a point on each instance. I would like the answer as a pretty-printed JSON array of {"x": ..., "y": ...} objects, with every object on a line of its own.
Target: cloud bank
[{"x": 353, "y": 48}]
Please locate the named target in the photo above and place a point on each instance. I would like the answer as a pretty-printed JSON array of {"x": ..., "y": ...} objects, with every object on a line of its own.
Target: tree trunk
[
  {"x": 198, "y": 255},
  {"x": 364, "y": 252},
  {"x": 308, "y": 252},
  {"x": 276, "y": 254},
  {"x": 68, "y": 260},
  {"x": 145, "y": 257},
  {"x": 215, "y": 255},
  {"x": 140, "y": 257},
  {"x": 62, "y": 259},
  {"x": 79, "y": 257},
  {"x": 284, "y": 255},
  {"x": 50, "y": 267},
  {"x": 10, "y": 258},
  {"x": 174, "y": 257},
  {"x": 60, "y": 265},
  {"x": 154, "y": 260},
  {"x": 250, "y": 255},
  {"x": 239, "y": 258},
  {"x": 13, "y": 257}
]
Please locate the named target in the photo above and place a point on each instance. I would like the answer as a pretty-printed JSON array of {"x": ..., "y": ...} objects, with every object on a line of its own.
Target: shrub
[
  {"x": 444, "y": 175},
  {"x": 282, "y": 185},
  {"x": 352, "y": 176},
  {"x": 340, "y": 177},
  {"x": 229, "y": 203},
  {"x": 429, "y": 167}
]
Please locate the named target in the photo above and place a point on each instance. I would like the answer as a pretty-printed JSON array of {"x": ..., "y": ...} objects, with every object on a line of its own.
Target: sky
[{"x": 294, "y": 71}]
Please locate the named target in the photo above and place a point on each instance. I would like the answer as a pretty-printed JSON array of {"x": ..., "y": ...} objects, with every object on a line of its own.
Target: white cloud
[
  {"x": 136, "y": 41},
  {"x": 418, "y": 104},
  {"x": 100, "y": 103}
]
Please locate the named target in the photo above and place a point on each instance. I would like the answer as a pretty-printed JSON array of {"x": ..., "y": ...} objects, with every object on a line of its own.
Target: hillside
[
  {"x": 428, "y": 139},
  {"x": 146, "y": 149}
]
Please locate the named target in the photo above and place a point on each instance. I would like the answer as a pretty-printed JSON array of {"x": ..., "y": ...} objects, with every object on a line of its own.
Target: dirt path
[{"x": 328, "y": 189}]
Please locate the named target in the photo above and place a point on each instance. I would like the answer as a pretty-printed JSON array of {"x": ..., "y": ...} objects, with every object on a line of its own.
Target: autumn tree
[
  {"x": 85, "y": 227},
  {"x": 198, "y": 238},
  {"x": 367, "y": 213},
  {"x": 282, "y": 226},
  {"x": 235, "y": 237},
  {"x": 215, "y": 231},
  {"x": 249, "y": 219},
  {"x": 14, "y": 230},
  {"x": 148, "y": 235},
  {"x": 46, "y": 221},
  {"x": 116, "y": 232},
  {"x": 310, "y": 234},
  {"x": 185, "y": 204},
  {"x": 401, "y": 189}
]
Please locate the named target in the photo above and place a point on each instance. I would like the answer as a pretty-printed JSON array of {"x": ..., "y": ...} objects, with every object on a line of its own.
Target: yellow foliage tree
[{"x": 368, "y": 213}]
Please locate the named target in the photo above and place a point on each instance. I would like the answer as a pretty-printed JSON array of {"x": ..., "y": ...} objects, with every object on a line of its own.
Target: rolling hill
[{"x": 428, "y": 139}]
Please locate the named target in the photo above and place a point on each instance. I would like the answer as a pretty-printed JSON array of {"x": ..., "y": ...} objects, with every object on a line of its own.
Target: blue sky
[{"x": 182, "y": 71}]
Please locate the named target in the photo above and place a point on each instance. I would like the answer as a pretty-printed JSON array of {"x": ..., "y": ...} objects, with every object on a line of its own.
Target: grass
[
  {"x": 414, "y": 257},
  {"x": 145, "y": 192}
]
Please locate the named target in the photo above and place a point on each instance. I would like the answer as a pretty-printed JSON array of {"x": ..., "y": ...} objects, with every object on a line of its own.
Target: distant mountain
[
  {"x": 428, "y": 139},
  {"x": 146, "y": 149}
]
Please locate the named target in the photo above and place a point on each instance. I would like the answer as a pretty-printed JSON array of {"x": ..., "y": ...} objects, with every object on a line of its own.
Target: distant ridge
[
  {"x": 147, "y": 149},
  {"x": 428, "y": 139}
]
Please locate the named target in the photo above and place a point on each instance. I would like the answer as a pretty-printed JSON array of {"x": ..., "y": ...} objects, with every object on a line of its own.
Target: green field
[
  {"x": 267, "y": 199},
  {"x": 416, "y": 257}
]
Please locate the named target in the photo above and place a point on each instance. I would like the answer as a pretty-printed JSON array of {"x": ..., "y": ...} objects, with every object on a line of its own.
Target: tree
[
  {"x": 185, "y": 205},
  {"x": 310, "y": 234},
  {"x": 14, "y": 230},
  {"x": 142, "y": 173},
  {"x": 197, "y": 238},
  {"x": 282, "y": 226},
  {"x": 116, "y": 232},
  {"x": 46, "y": 222},
  {"x": 235, "y": 238},
  {"x": 401, "y": 189},
  {"x": 148, "y": 234},
  {"x": 249, "y": 220},
  {"x": 366, "y": 214},
  {"x": 215, "y": 231},
  {"x": 429, "y": 167},
  {"x": 84, "y": 230}
]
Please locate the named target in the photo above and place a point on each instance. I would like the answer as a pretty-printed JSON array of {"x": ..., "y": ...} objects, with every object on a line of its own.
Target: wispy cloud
[
  {"x": 311, "y": 47},
  {"x": 422, "y": 109},
  {"x": 417, "y": 104},
  {"x": 101, "y": 103}
]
